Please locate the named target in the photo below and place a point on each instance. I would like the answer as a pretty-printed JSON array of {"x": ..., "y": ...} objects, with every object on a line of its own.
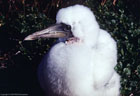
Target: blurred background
[{"x": 19, "y": 59}]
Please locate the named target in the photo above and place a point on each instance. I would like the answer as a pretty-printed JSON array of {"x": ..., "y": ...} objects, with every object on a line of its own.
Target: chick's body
[{"x": 84, "y": 67}]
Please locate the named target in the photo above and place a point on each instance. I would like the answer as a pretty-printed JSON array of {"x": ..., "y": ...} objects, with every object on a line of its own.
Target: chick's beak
[{"x": 54, "y": 31}]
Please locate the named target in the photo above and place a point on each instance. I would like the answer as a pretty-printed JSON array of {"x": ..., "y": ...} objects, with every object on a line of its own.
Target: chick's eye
[{"x": 68, "y": 27}]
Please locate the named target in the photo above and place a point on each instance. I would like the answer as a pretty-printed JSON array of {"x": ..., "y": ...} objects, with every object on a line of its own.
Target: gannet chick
[{"x": 82, "y": 62}]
